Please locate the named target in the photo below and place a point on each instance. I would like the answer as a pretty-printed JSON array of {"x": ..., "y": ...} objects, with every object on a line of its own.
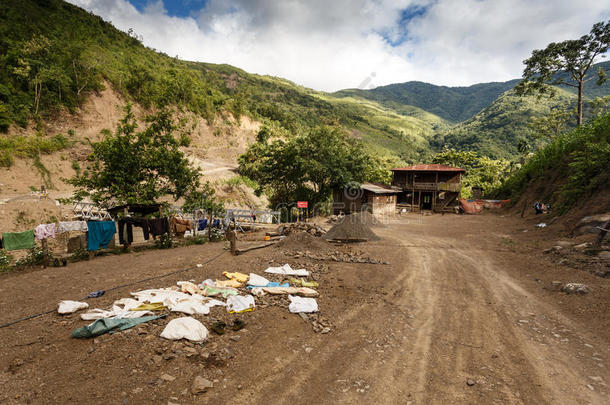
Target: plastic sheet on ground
[
  {"x": 300, "y": 304},
  {"x": 240, "y": 277},
  {"x": 102, "y": 326},
  {"x": 286, "y": 270},
  {"x": 471, "y": 206},
  {"x": 240, "y": 303},
  {"x": 302, "y": 291},
  {"x": 185, "y": 328},
  {"x": 69, "y": 307},
  {"x": 229, "y": 283},
  {"x": 257, "y": 280}
]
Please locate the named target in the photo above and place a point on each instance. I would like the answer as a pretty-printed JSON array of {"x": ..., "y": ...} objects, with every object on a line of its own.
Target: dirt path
[{"x": 455, "y": 306}]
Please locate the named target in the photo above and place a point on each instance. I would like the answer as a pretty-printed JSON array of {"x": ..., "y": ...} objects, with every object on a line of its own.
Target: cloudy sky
[{"x": 335, "y": 44}]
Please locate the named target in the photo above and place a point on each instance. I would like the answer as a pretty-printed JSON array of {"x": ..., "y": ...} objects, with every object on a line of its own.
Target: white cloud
[{"x": 335, "y": 44}]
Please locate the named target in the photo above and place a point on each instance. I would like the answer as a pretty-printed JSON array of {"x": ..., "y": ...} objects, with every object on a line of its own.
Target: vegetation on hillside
[
  {"x": 453, "y": 104},
  {"x": 577, "y": 160},
  {"x": 55, "y": 54},
  {"x": 137, "y": 167},
  {"x": 481, "y": 171},
  {"x": 498, "y": 130},
  {"x": 574, "y": 58}
]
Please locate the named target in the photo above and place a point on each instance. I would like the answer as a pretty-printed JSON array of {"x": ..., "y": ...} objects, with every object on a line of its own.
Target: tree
[
  {"x": 481, "y": 171},
  {"x": 129, "y": 167},
  {"x": 307, "y": 166},
  {"x": 574, "y": 57},
  {"x": 550, "y": 125}
]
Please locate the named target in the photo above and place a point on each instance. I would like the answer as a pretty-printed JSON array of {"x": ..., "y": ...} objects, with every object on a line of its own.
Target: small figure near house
[{"x": 541, "y": 208}]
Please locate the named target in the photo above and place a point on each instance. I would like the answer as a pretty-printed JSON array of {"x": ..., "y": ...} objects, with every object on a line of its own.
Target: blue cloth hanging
[{"x": 100, "y": 234}]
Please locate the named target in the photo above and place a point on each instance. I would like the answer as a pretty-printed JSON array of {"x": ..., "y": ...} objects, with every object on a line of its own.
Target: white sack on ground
[
  {"x": 185, "y": 328},
  {"x": 255, "y": 279},
  {"x": 300, "y": 304},
  {"x": 240, "y": 303},
  {"x": 286, "y": 270},
  {"x": 69, "y": 307}
]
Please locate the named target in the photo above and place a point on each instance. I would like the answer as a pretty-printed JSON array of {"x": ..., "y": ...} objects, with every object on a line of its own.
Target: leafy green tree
[
  {"x": 574, "y": 56},
  {"x": 550, "y": 125},
  {"x": 307, "y": 166},
  {"x": 129, "y": 167},
  {"x": 481, "y": 171}
]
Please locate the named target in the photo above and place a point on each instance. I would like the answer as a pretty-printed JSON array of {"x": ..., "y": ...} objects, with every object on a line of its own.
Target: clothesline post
[
  {"x": 210, "y": 227},
  {"x": 45, "y": 252}
]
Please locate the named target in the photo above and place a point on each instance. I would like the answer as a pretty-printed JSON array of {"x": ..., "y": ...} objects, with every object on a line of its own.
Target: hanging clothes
[
  {"x": 67, "y": 226},
  {"x": 202, "y": 224},
  {"x": 180, "y": 226},
  {"x": 100, "y": 234},
  {"x": 158, "y": 226},
  {"x": 44, "y": 231},
  {"x": 126, "y": 229},
  {"x": 18, "y": 240}
]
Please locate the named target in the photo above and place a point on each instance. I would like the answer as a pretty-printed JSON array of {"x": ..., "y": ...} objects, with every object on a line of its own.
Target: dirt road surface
[{"x": 462, "y": 314}]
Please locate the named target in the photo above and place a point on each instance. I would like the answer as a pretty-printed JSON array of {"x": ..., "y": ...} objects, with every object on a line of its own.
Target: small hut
[{"x": 375, "y": 198}]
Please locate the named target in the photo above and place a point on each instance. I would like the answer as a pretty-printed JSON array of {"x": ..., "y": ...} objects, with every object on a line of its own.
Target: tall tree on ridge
[{"x": 573, "y": 56}]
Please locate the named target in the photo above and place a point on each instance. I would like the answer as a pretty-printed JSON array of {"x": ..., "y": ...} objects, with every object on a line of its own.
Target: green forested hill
[
  {"x": 454, "y": 104},
  {"x": 497, "y": 129},
  {"x": 54, "y": 54}
]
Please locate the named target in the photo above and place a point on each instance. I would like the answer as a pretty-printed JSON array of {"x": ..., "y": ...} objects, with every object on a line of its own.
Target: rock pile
[
  {"x": 308, "y": 227},
  {"x": 336, "y": 256}
]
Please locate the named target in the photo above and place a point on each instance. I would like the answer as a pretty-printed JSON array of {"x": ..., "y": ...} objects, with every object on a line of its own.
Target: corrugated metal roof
[
  {"x": 378, "y": 188},
  {"x": 428, "y": 168}
]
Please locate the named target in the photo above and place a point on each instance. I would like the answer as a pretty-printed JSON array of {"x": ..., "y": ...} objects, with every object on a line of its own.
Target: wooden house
[
  {"x": 372, "y": 197},
  {"x": 432, "y": 187}
]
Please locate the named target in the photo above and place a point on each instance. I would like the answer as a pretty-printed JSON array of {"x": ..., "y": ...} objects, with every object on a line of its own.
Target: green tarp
[
  {"x": 18, "y": 240},
  {"x": 105, "y": 325}
]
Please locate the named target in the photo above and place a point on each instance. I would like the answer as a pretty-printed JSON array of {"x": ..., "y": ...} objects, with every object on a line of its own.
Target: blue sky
[{"x": 335, "y": 44}]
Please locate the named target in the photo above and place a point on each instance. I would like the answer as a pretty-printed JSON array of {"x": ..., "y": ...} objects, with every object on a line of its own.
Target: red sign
[{"x": 301, "y": 204}]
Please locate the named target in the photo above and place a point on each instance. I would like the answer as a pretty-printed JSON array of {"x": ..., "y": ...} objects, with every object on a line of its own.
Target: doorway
[{"x": 426, "y": 201}]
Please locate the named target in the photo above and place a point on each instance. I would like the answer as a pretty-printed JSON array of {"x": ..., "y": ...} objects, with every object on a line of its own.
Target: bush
[
  {"x": 5, "y": 260},
  {"x": 165, "y": 241},
  {"x": 581, "y": 156},
  {"x": 35, "y": 256}
]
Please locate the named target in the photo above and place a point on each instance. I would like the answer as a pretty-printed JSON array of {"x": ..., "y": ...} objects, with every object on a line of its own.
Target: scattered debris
[
  {"x": 69, "y": 307},
  {"x": 336, "y": 256},
  {"x": 470, "y": 382},
  {"x": 307, "y": 227},
  {"x": 576, "y": 288}
]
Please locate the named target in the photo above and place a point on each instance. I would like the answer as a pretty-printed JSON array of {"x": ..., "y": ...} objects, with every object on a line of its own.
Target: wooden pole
[
  {"x": 523, "y": 209},
  {"x": 210, "y": 227},
  {"x": 125, "y": 239},
  {"x": 45, "y": 252}
]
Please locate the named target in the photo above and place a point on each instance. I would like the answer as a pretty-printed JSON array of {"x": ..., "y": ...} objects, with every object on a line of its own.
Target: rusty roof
[
  {"x": 379, "y": 188},
  {"x": 429, "y": 168}
]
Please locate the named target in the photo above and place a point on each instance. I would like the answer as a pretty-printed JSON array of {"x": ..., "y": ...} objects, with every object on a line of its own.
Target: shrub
[{"x": 165, "y": 241}]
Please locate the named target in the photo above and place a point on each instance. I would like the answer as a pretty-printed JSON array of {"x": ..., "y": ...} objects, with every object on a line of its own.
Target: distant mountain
[
  {"x": 498, "y": 128},
  {"x": 455, "y": 104}
]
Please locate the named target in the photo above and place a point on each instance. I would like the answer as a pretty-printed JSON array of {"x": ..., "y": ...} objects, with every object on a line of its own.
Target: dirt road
[{"x": 461, "y": 315}]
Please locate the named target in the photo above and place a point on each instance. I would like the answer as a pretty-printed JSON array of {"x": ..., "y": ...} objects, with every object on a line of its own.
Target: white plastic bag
[
  {"x": 286, "y": 270},
  {"x": 240, "y": 303},
  {"x": 69, "y": 307},
  {"x": 191, "y": 306},
  {"x": 300, "y": 304},
  {"x": 257, "y": 280},
  {"x": 185, "y": 328}
]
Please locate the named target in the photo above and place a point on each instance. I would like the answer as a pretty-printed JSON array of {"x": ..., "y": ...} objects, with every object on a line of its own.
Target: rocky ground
[{"x": 442, "y": 309}]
